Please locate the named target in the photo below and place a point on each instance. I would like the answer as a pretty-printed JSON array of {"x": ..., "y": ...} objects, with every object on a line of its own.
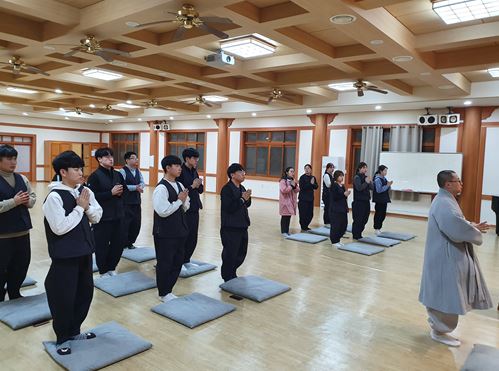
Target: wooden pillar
[
  {"x": 153, "y": 151},
  {"x": 222, "y": 151},
  {"x": 319, "y": 145},
  {"x": 473, "y": 146}
]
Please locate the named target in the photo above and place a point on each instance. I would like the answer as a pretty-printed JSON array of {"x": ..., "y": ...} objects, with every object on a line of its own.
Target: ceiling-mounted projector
[
  {"x": 449, "y": 119},
  {"x": 220, "y": 59},
  {"x": 428, "y": 119}
]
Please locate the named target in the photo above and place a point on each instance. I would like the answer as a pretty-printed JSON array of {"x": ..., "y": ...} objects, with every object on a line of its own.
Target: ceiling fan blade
[
  {"x": 372, "y": 88},
  {"x": 71, "y": 53},
  {"x": 7, "y": 64},
  {"x": 166, "y": 108},
  {"x": 195, "y": 102},
  {"x": 215, "y": 20},
  {"x": 116, "y": 51},
  {"x": 154, "y": 23},
  {"x": 270, "y": 100},
  {"x": 287, "y": 98},
  {"x": 214, "y": 31},
  {"x": 36, "y": 70},
  {"x": 179, "y": 34},
  {"x": 174, "y": 13},
  {"x": 104, "y": 56},
  {"x": 360, "y": 93},
  {"x": 207, "y": 104}
]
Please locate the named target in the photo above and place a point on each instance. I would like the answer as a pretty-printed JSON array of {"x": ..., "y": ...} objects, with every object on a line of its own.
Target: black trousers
[
  {"x": 360, "y": 213},
  {"x": 70, "y": 288},
  {"x": 169, "y": 257},
  {"x": 326, "y": 217},
  {"x": 192, "y": 219},
  {"x": 379, "y": 214},
  {"x": 339, "y": 222},
  {"x": 235, "y": 247},
  {"x": 15, "y": 255},
  {"x": 109, "y": 244},
  {"x": 497, "y": 222},
  {"x": 285, "y": 220},
  {"x": 306, "y": 212},
  {"x": 131, "y": 223}
]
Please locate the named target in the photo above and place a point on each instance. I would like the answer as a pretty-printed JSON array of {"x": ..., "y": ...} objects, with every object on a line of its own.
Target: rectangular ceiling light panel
[
  {"x": 101, "y": 74},
  {"x": 456, "y": 11},
  {"x": 247, "y": 47}
]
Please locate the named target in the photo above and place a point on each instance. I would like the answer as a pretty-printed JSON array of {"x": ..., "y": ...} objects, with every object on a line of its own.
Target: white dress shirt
[{"x": 162, "y": 206}]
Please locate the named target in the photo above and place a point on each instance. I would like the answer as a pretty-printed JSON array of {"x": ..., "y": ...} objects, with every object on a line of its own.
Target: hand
[
  {"x": 482, "y": 226},
  {"x": 117, "y": 190},
  {"x": 312, "y": 180},
  {"x": 246, "y": 195},
  {"x": 390, "y": 182},
  {"x": 347, "y": 193},
  {"x": 196, "y": 183},
  {"x": 84, "y": 199},
  {"x": 368, "y": 179},
  {"x": 292, "y": 183},
  {"x": 140, "y": 189},
  {"x": 21, "y": 198},
  {"x": 182, "y": 196}
]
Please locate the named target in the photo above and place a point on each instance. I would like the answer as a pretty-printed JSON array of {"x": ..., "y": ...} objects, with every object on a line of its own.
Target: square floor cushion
[
  {"x": 194, "y": 309},
  {"x": 482, "y": 358},
  {"x": 321, "y": 231},
  {"x": 125, "y": 283},
  {"x": 306, "y": 237},
  {"x": 361, "y": 248},
  {"x": 139, "y": 254},
  {"x": 375, "y": 240},
  {"x": 26, "y": 311},
  {"x": 255, "y": 288},
  {"x": 397, "y": 236},
  {"x": 112, "y": 344},
  {"x": 201, "y": 268}
]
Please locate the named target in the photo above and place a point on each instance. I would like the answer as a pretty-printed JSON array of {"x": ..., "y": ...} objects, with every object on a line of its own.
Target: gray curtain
[
  {"x": 405, "y": 139},
  {"x": 372, "y": 143}
]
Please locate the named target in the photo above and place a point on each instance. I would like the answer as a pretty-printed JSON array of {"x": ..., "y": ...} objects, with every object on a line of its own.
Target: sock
[
  {"x": 84, "y": 336},
  {"x": 168, "y": 297}
]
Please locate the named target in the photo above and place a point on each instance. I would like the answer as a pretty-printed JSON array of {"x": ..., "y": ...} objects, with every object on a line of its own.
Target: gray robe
[{"x": 452, "y": 281}]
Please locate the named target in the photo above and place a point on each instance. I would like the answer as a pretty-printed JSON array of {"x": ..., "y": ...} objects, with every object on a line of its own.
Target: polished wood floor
[{"x": 345, "y": 311}]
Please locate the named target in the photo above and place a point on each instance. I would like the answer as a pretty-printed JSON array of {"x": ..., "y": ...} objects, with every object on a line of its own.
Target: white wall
[
  {"x": 161, "y": 148},
  {"x": 271, "y": 122},
  {"x": 490, "y": 182},
  {"x": 304, "y": 150},
  {"x": 263, "y": 189},
  {"x": 448, "y": 140},
  {"x": 211, "y": 152},
  {"x": 235, "y": 147},
  {"x": 338, "y": 143},
  {"x": 144, "y": 150}
]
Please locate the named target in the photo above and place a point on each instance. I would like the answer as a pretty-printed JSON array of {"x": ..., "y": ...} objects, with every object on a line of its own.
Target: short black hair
[
  {"x": 129, "y": 154},
  {"x": 310, "y": 166},
  {"x": 445, "y": 176},
  {"x": 360, "y": 166},
  {"x": 103, "y": 152},
  {"x": 169, "y": 161},
  {"x": 7, "y": 151},
  {"x": 285, "y": 175},
  {"x": 337, "y": 174},
  {"x": 329, "y": 165},
  {"x": 190, "y": 152},
  {"x": 381, "y": 168},
  {"x": 233, "y": 168},
  {"x": 66, "y": 160}
]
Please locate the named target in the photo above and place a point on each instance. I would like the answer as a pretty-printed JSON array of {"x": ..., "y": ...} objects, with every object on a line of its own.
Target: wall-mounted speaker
[
  {"x": 428, "y": 120},
  {"x": 449, "y": 119},
  {"x": 157, "y": 127}
]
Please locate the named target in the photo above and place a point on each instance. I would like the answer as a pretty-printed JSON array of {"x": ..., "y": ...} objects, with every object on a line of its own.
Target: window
[
  {"x": 177, "y": 142},
  {"x": 429, "y": 135},
  {"x": 268, "y": 153},
  {"x": 24, "y": 147},
  {"x": 386, "y": 140},
  {"x": 122, "y": 143}
]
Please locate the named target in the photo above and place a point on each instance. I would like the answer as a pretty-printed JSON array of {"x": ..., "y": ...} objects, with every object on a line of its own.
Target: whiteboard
[
  {"x": 417, "y": 171},
  {"x": 490, "y": 184}
]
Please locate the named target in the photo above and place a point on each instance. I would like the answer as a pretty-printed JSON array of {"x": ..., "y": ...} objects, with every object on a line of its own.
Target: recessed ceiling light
[
  {"x": 101, "y": 74},
  {"x": 253, "y": 114},
  {"x": 309, "y": 110},
  {"x": 91, "y": 105},
  {"x": 132, "y": 24},
  {"x": 208, "y": 116},
  {"x": 342, "y": 19},
  {"x": 110, "y": 120},
  {"x": 494, "y": 72},
  {"x": 402, "y": 58},
  {"x": 129, "y": 101},
  {"x": 378, "y": 107},
  {"x": 25, "y": 114},
  {"x": 21, "y": 90},
  {"x": 171, "y": 117},
  {"x": 248, "y": 46},
  {"x": 127, "y": 105},
  {"x": 446, "y": 87},
  {"x": 215, "y": 98},
  {"x": 58, "y": 91},
  {"x": 467, "y": 102},
  {"x": 61, "y": 109},
  {"x": 376, "y": 42},
  {"x": 342, "y": 86},
  {"x": 456, "y": 11},
  {"x": 66, "y": 118},
  {"x": 48, "y": 47},
  {"x": 139, "y": 119}
]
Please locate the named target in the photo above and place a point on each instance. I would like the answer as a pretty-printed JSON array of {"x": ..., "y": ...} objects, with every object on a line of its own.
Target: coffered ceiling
[{"x": 443, "y": 60}]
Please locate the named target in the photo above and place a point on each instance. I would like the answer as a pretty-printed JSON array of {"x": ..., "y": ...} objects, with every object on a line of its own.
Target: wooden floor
[{"x": 345, "y": 311}]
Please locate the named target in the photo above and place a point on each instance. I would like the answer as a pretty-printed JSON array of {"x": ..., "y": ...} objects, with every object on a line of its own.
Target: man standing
[
  {"x": 135, "y": 184},
  {"x": 361, "y": 205},
  {"x": 108, "y": 186},
  {"x": 495, "y": 208},
  {"x": 16, "y": 197},
  {"x": 235, "y": 221},
  {"x": 452, "y": 283},
  {"x": 326, "y": 190}
]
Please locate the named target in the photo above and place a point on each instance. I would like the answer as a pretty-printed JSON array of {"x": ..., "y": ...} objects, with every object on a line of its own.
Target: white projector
[{"x": 220, "y": 59}]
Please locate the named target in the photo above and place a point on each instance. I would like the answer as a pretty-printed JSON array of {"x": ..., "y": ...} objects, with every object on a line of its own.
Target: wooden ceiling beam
[{"x": 48, "y": 10}]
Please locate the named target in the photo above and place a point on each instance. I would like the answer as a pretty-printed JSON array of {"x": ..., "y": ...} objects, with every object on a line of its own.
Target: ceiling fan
[
  {"x": 91, "y": 45},
  {"x": 18, "y": 65},
  {"x": 188, "y": 18},
  {"x": 110, "y": 110},
  {"x": 277, "y": 93},
  {"x": 200, "y": 100},
  {"x": 362, "y": 86},
  {"x": 78, "y": 111},
  {"x": 153, "y": 103}
]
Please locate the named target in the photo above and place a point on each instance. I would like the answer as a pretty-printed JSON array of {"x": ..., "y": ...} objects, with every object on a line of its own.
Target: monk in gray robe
[{"x": 452, "y": 282}]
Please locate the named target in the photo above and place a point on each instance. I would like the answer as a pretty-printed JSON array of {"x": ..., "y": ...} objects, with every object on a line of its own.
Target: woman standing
[
  {"x": 381, "y": 198},
  {"x": 361, "y": 205},
  {"x": 326, "y": 190},
  {"x": 308, "y": 184},
  {"x": 288, "y": 189},
  {"x": 338, "y": 209}
]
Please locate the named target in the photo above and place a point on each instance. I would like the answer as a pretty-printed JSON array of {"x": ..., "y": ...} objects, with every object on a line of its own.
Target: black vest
[
  {"x": 175, "y": 225},
  {"x": 382, "y": 197},
  {"x": 131, "y": 198},
  {"x": 326, "y": 190},
  {"x": 112, "y": 208},
  {"x": 16, "y": 219},
  {"x": 338, "y": 200},
  {"x": 239, "y": 218},
  {"x": 186, "y": 178},
  {"x": 77, "y": 242},
  {"x": 364, "y": 195}
]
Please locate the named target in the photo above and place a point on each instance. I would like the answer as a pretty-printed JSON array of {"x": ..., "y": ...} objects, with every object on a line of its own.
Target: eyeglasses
[{"x": 454, "y": 181}]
